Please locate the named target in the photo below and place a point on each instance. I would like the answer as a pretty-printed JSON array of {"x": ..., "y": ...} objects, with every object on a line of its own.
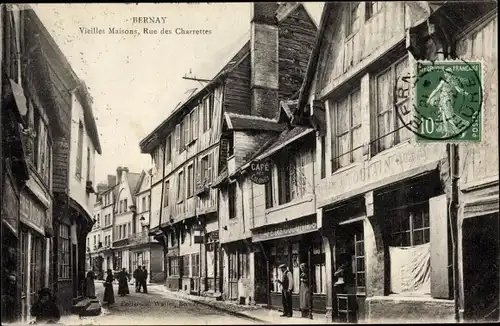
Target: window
[
  {"x": 149, "y": 202},
  {"x": 190, "y": 180},
  {"x": 129, "y": 230},
  {"x": 194, "y": 124},
  {"x": 88, "y": 164},
  {"x": 243, "y": 264},
  {"x": 410, "y": 225},
  {"x": 372, "y": 7},
  {"x": 125, "y": 206},
  {"x": 207, "y": 105},
  {"x": 318, "y": 262},
  {"x": 173, "y": 266},
  {"x": 268, "y": 188},
  {"x": 180, "y": 186},
  {"x": 79, "y": 151},
  {"x": 196, "y": 264},
  {"x": 119, "y": 260},
  {"x": 233, "y": 265},
  {"x": 187, "y": 129},
  {"x": 42, "y": 147},
  {"x": 99, "y": 244},
  {"x": 323, "y": 157},
  {"x": 279, "y": 255},
  {"x": 178, "y": 133},
  {"x": 230, "y": 145},
  {"x": 168, "y": 149},
  {"x": 37, "y": 265},
  {"x": 185, "y": 266},
  {"x": 348, "y": 138},
  {"x": 173, "y": 239},
  {"x": 166, "y": 190},
  {"x": 291, "y": 180},
  {"x": 144, "y": 207},
  {"x": 232, "y": 200},
  {"x": 206, "y": 168},
  {"x": 353, "y": 18},
  {"x": 390, "y": 130},
  {"x": 64, "y": 251},
  {"x": 359, "y": 261}
]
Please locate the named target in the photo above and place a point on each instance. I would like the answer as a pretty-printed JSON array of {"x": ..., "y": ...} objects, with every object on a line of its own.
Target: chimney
[
  {"x": 111, "y": 180},
  {"x": 119, "y": 174},
  {"x": 264, "y": 59},
  {"x": 124, "y": 172}
]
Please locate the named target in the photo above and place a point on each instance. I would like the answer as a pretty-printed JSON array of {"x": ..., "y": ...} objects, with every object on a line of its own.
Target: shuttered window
[
  {"x": 232, "y": 200},
  {"x": 180, "y": 186},
  {"x": 187, "y": 130},
  {"x": 190, "y": 180},
  {"x": 194, "y": 124},
  {"x": 166, "y": 191},
  {"x": 178, "y": 138},
  {"x": 168, "y": 149}
]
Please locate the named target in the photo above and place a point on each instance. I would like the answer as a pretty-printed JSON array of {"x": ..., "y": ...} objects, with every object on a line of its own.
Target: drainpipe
[{"x": 454, "y": 158}]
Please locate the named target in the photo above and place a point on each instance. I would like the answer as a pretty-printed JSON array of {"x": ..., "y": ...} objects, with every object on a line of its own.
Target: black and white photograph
[{"x": 218, "y": 163}]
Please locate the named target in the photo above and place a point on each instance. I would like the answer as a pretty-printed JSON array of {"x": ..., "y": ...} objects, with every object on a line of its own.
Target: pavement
[{"x": 163, "y": 307}]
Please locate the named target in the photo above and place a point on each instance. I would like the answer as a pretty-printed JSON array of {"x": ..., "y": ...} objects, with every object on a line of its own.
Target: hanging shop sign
[
  {"x": 260, "y": 172},
  {"x": 197, "y": 232},
  {"x": 10, "y": 206}
]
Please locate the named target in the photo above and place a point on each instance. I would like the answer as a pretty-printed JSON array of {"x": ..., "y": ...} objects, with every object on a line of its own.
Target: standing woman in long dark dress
[
  {"x": 304, "y": 291},
  {"x": 109, "y": 296},
  {"x": 123, "y": 278}
]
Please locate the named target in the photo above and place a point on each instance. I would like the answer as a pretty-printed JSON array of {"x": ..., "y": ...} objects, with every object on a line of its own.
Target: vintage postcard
[{"x": 249, "y": 163}]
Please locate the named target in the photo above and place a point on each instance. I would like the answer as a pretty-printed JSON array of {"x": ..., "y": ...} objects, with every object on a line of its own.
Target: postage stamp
[{"x": 447, "y": 101}]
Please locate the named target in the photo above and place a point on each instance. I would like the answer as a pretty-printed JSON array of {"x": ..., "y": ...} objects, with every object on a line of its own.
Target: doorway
[{"x": 480, "y": 268}]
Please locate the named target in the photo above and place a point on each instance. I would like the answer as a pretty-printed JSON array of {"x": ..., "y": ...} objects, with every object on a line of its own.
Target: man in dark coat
[
  {"x": 286, "y": 290},
  {"x": 144, "y": 278},
  {"x": 137, "y": 278}
]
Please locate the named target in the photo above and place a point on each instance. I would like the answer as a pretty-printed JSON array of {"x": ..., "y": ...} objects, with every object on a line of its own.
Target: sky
[{"x": 137, "y": 80}]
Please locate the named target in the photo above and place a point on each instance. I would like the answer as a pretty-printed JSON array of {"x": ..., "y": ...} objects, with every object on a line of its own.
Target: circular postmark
[{"x": 441, "y": 101}]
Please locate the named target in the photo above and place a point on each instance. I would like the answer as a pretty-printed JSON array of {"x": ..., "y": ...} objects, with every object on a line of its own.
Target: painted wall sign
[
  {"x": 387, "y": 164},
  {"x": 284, "y": 230},
  {"x": 10, "y": 206},
  {"x": 32, "y": 213},
  {"x": 260, "y": 172}
]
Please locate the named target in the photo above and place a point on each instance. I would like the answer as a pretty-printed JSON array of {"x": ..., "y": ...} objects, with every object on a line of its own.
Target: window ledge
[
  {"x": 406, "y": 297},
  {"x": 180, "y": 201},
  {"x": 305, "y": 199},
  {"x": 393, "y": 148}
]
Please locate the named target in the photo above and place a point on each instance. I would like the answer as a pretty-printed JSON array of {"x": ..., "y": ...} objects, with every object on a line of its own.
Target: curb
[{"x": 225, "y": 310}]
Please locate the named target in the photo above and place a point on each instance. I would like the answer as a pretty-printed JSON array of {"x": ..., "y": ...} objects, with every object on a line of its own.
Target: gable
[{"x": 145, "y": 183}]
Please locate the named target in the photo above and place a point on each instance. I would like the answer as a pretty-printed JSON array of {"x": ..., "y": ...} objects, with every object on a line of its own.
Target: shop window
[
  {"x": 295, "y": 269},
  {"x": 390, "y": 131},
  {"x": 243, "y": 264},
  {"x": 173, "y": 266},
  {"x": 196, "y": 264},
  {"x": 233, "y": 265},
  {"x": 64, "y": 252},
  {"x": 279, "y": 255},
  {"x": 409, "y": 251},
  {"x": 36, "y": 266},
  {"x": 359, "y": 262},
  {"x": 185, "y": 266},
  {"x": 319, "y": 267}
]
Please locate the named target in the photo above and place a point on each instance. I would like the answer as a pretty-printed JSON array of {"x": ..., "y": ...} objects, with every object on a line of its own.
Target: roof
[
  {"x": 151, "y": 140},
  {"x": 148, "y": 143},
  {"x": 286, "y": 137},
  {"x": 133, "y": 182},
  {"x": 79, "y": 85},
  {"x": 250, "y": 122}
]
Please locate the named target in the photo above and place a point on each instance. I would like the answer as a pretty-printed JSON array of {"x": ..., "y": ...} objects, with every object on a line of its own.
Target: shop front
[
  {"x": 238, "y": 281},
  {"x": 212, "y": 263},
  {"x": 292, "y": 243},
  {"x": 33, "y": 252}
]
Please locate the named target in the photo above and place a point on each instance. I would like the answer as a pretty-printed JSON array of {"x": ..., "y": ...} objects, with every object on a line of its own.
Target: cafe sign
[
  {"x": 284, "y": 230},
  {"x": 260, "y": 172}
]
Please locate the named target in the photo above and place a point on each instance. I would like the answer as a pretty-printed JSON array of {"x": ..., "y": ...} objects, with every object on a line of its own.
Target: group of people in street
[{"x": 140, "y": 276}]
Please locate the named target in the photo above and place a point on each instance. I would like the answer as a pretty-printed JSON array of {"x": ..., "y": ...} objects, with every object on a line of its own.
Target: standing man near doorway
[{"x": 286, "y": 290}]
